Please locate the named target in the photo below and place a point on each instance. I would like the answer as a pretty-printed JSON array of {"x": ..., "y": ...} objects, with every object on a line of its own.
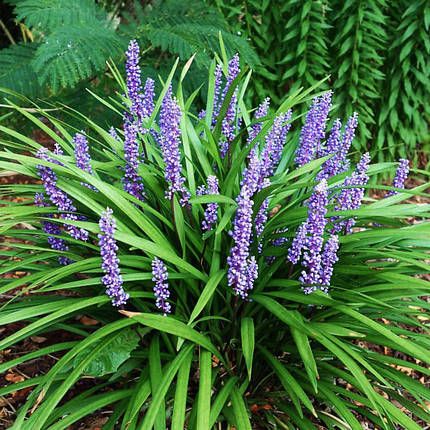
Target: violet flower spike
[
  {"x": 313, "y": 130},
  {"x": 161, "y": 289},
  {"x": 259, "y": 113},
  {"x": 131, "y": 179},
  {"x": 82, "y": 156},
  {"x": 316, "y": 222},
  {"x": 170, "y": 117},
  {"x": 211, "y": 211},
  {"x": 228, "y": 123},
  {"x": 242, "y": 230},
  {"x": 133, "y": 81},
  {"x": 400, "y": 177},
  {"x": 58, "y": 197},
  {"x": 52, "y": 228},
  {"x": 112, "y": 279},
  {"x": 328, "y": 259},
  {"x": 350, "y": 198}
]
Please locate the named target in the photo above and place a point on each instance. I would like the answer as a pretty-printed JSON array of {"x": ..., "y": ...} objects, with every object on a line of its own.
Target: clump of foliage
[
  {"x": 242, "y": 277},
  {"x": 376, "y": 52}
]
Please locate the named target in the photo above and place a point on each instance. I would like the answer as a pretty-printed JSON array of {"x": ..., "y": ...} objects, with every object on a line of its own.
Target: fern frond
[
  {"x": 360, "y": 41},
  {"x": 51, "y": 14},
  {"x": 16, "y": 70},
  {"x": 405, "y": 111},
  {"x": 70, "y": 54},
  {"x": 184, "y": 29}
]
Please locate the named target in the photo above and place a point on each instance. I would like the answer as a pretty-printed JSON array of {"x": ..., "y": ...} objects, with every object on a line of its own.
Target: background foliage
[
  {"x": 65, "y": 45},
  {"x": 377, "y": 53}
]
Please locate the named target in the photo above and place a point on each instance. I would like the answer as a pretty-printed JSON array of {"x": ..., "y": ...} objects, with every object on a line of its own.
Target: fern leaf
[
  {"x": 70, "y": 54},
  {"x": 51, "y": 14},
  {"x": 16, "y": 70}
]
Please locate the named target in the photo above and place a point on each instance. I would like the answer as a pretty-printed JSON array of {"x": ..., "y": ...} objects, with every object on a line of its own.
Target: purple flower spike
[
  {"x": 328, "y": 259},
  {"x": 401, "y": 176},
  {"x": 170, "y": 117},
  {"x": 316, "y": 222},
  {"x": 242, "y": 230},
  {"x": 134, "y": 84},
  {"x": 52, "y": 228},
  {"x": 82, "y": 156},
  {"x": 148, "y": 98},
  {"x": 161, "y": 289},
  {"x": 314, "y": 129},
  {"x": 59, "y": 198},
  {"x": 259, "y": 113},
  {"x": 113, "y": 133},
  {"x": 131, "y": 179},
  {"x": 229, "y": 123},
  {"x": 350, "y": 198},
  {"x": 112, "y": 279},
  {"x": 274, "y": 143},
  {"x": 211, "y": 211}
]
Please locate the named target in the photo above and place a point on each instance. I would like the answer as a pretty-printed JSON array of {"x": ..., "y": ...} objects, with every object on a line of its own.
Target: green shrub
[{"x": 279, "y": 358}]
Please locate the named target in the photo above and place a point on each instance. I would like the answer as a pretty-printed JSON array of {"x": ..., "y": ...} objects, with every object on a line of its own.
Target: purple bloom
[
  {"x": 148, "y": 98},
  {"x": 211, "y": 211},
  {"x": 242, "y": 230},
  {"x": 309, "y": 238},
  {"x": 350, "y": 198},
  {"x": 82, "y": 156},
  {"x": 112, "y": 279},
  {"x": 259, "y": 113},
  {"x": 170, "y": 117},
  {"x": 131, "y": 180},
  {"x": 228, "y": 122},
  {"x": 261, "y": 217},
  {"x": 161, "y": 289},
  {"x": 315, "y": 225},
  {"x": 328, "y": 259},
  {"x": 401, "y": 176},
  {"x": 274, "y": 143},
  {"x": 313, "y": 130},
  {"x": 113, "y": 133},
  {"x": 134, "y": 84},
  {"x": 58, "y": 197},
  {"x": 52, "y": 228}
]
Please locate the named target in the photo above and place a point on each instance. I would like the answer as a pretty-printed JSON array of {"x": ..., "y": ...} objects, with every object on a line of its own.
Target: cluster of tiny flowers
[
  {"x": 328, "y": 259},
  {"x": 142, "y": 105},
  {"x": 113, "y": 133},
  {"x": 59, "y": 198},
  {"x": 313, "y": 130},
  {"x": 350, "y": 198},
  {"x": 170, "y": 117},
  {"x": 131, "y": 179},
  {"x": 161, "y": 289},
  {"x": 211, "y": 211},
  {"x": 309, "y": 239},
  {"x": 401, "y": 176},
  {"x": 259, "y": 113},
  {"x": 262, "y": 216},
  {"x": 274, "y": 144},
  {"x": 279, "y": 241},
  {"x": 238, "y": 260},
  {"x": 112, "y": 279},
  {"x": 82, "y": 156},
  {"x": 229, "y": 124},
  {"x": 52, "y": 228},
  {"x": 339, "y": 147}
]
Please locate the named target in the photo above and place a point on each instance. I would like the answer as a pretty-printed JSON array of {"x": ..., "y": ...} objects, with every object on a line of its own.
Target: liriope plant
[{"x": 236, "y": 277}]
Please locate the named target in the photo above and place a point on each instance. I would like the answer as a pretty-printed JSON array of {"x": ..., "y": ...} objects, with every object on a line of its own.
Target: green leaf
[
  {"x": 109, "y": 360},
  {"x": 205, "y": 386},
  {"x": 247, "y": 332},
  {"x": 240, "y": 410}
]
